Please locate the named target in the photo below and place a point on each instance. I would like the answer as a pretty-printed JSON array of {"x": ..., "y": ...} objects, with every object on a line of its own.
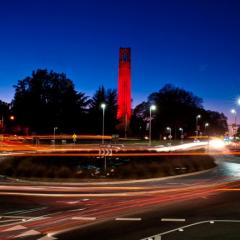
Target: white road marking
[
  {"x": 47, "y": 238},
  {"x": 191, "y": 225},
  {"x": 37, "y": 218},
  {"x": 25, "y": 211},
  {"x": 84, "y": 218},
  {"x": 128, "y": 219},
  {"x": 173, "y": 219},
  {"x": 28, "y": 233},
  {"x": 14, "y": 217},
  {"x": 17, "y": 227},
  {"x": 9, "y": 220},
  {"x": 78, "y": 209},
  {"x": 68, "y": 202}
]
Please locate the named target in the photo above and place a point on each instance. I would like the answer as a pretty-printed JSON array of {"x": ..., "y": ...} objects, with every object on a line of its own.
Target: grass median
[{"x": 79, "y": 168}]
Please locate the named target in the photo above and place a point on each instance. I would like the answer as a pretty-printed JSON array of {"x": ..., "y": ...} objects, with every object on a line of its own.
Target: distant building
[{"x": 124, "y": 89}]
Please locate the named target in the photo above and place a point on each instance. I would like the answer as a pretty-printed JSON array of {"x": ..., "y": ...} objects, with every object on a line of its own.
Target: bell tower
[{"x": 124, "y": 89}]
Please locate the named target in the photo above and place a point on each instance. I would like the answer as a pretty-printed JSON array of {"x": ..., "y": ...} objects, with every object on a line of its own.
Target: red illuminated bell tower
[{"x": 124, "y": 89}]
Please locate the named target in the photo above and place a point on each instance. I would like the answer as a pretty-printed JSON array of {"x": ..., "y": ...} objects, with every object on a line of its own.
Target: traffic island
[{"x": 59, "y": 168}]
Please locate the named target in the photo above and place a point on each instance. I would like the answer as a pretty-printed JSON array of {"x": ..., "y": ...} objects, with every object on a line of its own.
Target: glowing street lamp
[
  {"x": 197, "y": 117},
  {"x": 12, "y": 117},
  {"x": 152, "y": 108},
  {"x": 206, "y": 125},
  {"x": 234, "y": 112},
  {"x": 54, "y": 133},
  {"x": 103, "y": 106},
  {"x": 170, "y": 132},
  {"x": 182, "y": 136},
  {"x": 238, "y": 101},
  {"x": 181, "y": 130}
]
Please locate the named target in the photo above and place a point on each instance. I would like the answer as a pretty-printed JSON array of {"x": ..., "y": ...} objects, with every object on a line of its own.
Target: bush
[{"x": 123, "y": 168}]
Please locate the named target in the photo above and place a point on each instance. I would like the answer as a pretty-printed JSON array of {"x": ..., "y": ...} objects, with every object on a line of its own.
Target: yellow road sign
[{"x": 74, "y": 137}]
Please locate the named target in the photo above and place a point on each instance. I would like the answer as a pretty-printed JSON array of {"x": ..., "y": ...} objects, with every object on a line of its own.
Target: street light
[
  {"x": 197, "y": 117},
  {"x": 238, "y": 101},
  {"x": 206, "y": 125},
  {"x": 234, "y": 112},
  {"x": 54, "y": 134},
  {"x": 12, "y": 117},
  {"x": 170, "y": 133},
  {"x": 182, "y": 136},
  {"x": 103, "y": 106},
  {"x": 152, "y": 108}
]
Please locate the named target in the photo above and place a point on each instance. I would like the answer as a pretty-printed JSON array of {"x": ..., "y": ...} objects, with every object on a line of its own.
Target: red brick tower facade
[{"x": 124, "y": 88}]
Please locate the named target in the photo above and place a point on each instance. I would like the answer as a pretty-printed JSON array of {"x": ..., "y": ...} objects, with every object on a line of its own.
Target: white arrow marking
[
  {"x": 28, "y": 233},
  {"x": 47, "y": 238},
  {"x": 17, "y": 227}
]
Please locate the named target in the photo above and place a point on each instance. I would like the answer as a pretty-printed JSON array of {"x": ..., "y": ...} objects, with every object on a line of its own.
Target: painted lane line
[
  {"x": 84, "y": 218},
  {"x": 76, "y": 210},
  {"x": 37, "y": 218},
  {"x": 68, "y": 202},
  {"x": 15, "y": 217},
  {"x": 9, "y": 220},
  {"x": 173, "y": 219},
  {"x": 188, "y": 226},
  {"x": 128, "y": 219},
  {"x": 25, "y": 211}
]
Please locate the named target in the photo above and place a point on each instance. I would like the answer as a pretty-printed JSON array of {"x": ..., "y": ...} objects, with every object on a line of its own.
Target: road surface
[{"x": 119, "y": 210}]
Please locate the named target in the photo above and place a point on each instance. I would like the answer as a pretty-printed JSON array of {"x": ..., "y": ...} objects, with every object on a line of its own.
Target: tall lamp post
[
  {"x": 234, "y": 112},
  {"x": 170, "y": 133},
  {"x": 152, "y": 108},
  {"x": 103, "y": 106},
  {"x": 206, "y": 125},
  {"x": 182, "y": 136},
  {"x": 54, "y": 134},
  {"x": 197, "y": 117}
]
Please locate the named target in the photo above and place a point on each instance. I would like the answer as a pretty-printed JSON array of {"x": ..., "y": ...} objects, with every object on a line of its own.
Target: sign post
[{"x": 74, "y": 137}]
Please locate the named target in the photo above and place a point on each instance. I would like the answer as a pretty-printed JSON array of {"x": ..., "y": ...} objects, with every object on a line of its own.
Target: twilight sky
[{"x": 191, "y": 44}]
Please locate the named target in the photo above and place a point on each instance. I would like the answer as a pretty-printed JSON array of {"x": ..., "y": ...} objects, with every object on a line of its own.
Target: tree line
[{"x": 48, "y": 99}]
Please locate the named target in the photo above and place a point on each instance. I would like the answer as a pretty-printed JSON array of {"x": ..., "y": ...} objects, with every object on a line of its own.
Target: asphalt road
[
  {"x": 120, "y": 210},
  {"x": 213, "y": 207}
]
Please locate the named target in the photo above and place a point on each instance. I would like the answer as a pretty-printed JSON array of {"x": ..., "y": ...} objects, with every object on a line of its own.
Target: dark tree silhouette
[
  {"x": 177, "y": 108},
  {"x": 217, "y": 123},
  {"x": 4, "y": 115},
  {"x": 140, "y": 119},
  {"x": 48, "y": 99},
  {"x": 109, "y": 97}
]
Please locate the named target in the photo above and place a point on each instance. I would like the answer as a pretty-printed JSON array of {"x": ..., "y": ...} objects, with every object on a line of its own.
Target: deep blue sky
[{"x": 192, "y": 44}]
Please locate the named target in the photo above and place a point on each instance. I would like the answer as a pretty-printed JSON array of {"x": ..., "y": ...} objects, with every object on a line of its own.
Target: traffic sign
[{"x": 74, "y": 137}]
